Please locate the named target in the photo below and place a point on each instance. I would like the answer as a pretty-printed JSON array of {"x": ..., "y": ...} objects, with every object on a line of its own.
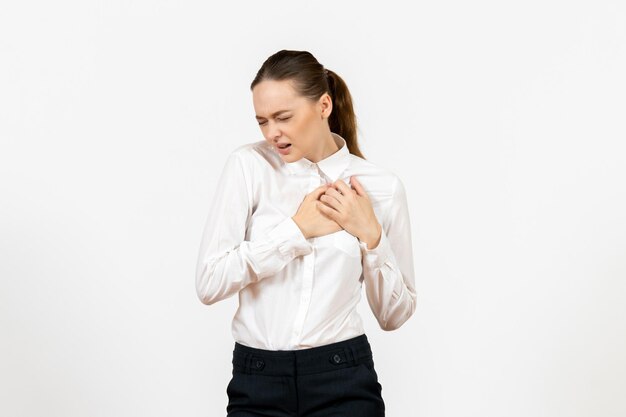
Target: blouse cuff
[
  {"x": 377, "y": 257},
  {"x": 289, "y": 239}
]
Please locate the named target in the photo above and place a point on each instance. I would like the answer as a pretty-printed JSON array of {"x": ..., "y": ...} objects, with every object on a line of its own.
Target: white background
[{"x": 505, "y": 120}]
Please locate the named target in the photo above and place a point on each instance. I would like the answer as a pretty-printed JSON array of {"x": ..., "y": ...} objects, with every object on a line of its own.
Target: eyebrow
[{"x": 276, "y": 113}]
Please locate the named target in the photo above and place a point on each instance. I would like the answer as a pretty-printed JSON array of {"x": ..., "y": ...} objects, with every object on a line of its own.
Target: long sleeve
[
  {"x": 388, "y": 268},
  {"x": 226, "y": 262}
]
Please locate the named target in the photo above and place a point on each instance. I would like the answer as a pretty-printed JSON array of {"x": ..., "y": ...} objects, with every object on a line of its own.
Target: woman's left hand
[{"x": 352, "y": 209}]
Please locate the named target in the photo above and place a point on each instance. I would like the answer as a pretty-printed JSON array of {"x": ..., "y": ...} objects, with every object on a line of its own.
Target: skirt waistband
[{"x": 328, "y": 357}]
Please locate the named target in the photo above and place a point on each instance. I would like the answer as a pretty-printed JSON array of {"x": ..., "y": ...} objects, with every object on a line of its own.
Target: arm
[
  {"x": 226, "y": 262},
  {"x": 388, "y": 268}
]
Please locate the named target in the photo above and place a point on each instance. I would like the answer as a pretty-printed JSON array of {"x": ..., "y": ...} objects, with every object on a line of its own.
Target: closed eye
[{"x": 279, "y": 119}]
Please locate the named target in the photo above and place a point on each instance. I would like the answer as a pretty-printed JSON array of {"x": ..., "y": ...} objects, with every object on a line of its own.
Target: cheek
[
  {"x": 301, "y": 133},
  {"x": 304, "y": 125}
]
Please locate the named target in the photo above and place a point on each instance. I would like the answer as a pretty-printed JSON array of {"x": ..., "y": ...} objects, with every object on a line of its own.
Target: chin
[{"x": 291, "y": 156}]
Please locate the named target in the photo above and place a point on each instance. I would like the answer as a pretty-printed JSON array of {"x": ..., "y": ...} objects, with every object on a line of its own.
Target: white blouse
[{"x": 297, "y": 293}]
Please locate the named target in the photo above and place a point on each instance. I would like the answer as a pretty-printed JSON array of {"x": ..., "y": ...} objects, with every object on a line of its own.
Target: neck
[{"x": 328, "y": 147}]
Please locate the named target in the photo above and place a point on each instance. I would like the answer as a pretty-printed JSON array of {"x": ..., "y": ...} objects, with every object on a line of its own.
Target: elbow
[
  {"x": 394, "y": 322},
  {"x": 204, "y": 275},
  {"x": 390, "y": 325},
  {"x": 212, "y": 284},
  {"x": 204, "y": 299}
]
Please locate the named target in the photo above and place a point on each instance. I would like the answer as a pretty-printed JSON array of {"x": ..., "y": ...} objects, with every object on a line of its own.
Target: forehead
[{"x": 269, "y": 96}]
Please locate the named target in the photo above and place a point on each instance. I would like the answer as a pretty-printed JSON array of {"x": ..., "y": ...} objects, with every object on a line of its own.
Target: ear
[{"x": 326, "y": 105}]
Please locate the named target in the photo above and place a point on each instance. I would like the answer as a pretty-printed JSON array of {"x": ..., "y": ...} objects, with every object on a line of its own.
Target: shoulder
[
  {"x": 254, "y": 153},
  {"x": 254, "y": 160},
  {"x": 379, "y": 180}
]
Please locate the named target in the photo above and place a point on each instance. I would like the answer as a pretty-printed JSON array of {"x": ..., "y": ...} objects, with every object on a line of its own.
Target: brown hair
[{"x": 311, "y": 80}]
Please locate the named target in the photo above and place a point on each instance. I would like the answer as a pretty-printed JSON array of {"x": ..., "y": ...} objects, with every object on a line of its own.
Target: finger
[
  {"x": 330, "y": 201},
  {"x": 327, "y": 211},
  {"x": 315, "y": 194},
  {"x": 342, "y": 187},
  {"x": 331, "y": 192},
  {"x": 357, "y": 186}
]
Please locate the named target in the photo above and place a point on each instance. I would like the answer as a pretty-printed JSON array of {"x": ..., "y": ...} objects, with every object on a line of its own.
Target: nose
[{"x": 273, "y": 132}]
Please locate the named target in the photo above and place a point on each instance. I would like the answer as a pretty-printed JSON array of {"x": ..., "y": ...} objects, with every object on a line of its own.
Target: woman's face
[{"x": 287, "y": 118}]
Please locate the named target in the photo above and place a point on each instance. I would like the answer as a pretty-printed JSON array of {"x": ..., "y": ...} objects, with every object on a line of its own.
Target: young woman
[{"x": 299, "y": 223}]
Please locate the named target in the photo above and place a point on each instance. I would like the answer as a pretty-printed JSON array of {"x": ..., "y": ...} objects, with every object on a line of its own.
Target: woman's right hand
[{"x": 309, "y": 218}]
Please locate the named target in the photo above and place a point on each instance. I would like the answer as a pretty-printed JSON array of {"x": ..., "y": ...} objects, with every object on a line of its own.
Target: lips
[{"x": 285, "y": 150}]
